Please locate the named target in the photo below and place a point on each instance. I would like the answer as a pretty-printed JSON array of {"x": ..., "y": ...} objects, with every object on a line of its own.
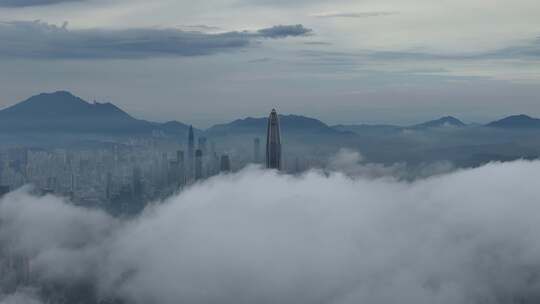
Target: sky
[
  {"x": 256, "y": 236},
  {"x": 343, "y": 61}
]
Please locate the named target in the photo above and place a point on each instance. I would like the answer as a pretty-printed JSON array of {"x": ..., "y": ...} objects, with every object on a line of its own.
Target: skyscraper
[
  {"x": 198, "y": 164},
  {"x": 181, "y": 167},
  {"x": 180, "y": 156},
  {"x": 191, "y": 152},
  {"x": 273, "y": 142},
  {"x": 108, "y": 186},
  {"x": 225, "y": 164},
  {"x": 136, "y": 184},
  {"x": 164, "y": 168},
  {"x": 257, "y": 150},
  {"x": 202, "y": 145}
]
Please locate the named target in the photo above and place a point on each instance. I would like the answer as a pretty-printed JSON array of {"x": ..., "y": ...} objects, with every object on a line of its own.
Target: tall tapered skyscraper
[
  {"x": 191, "y": 153},
  {"x": 273, "y": 142}
]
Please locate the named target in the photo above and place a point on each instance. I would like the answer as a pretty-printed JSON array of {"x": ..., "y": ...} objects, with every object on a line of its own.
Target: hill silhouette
[
  {"x": 63, "y": 112},
  {"x": 516, "y": 121}
]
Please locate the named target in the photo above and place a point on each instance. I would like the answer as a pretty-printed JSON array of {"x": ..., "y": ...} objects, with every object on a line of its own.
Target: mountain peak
[
  {"x": 56, "y": 96},
  {"x": 443, "y": 122},
  {"x": 516, "y": 121},
  {"x": 60, "y": 93},
  {"x": 520, "y": 116},
  {"x": 449, "y": 118},
  {"x": 65, "y": 112},
  {"x": 292, "y": 123},
  {"x": 64, "y": 103},
  {"x": 47, "y": 104}
]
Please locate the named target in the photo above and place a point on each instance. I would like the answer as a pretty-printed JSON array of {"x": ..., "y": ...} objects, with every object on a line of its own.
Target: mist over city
[{"x": 268, "y": 151}]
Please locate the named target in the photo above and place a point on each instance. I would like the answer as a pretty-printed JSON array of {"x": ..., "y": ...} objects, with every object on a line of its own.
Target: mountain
[
  {"x": 444, "y": 122},
  {"x": 60, "y": 104},
  {"x": 289, "y": 123},
  {"x": 516, "y": 122},
  {"x": 366, "y": 129},
  {"x": 62, "y": 112}
]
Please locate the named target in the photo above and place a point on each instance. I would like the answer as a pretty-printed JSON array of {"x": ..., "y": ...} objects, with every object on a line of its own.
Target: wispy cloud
[
  {"x": 317, "y": 43},
  {"x": 201, "y": 28},
  {"x": 352, "y": 14},
  {"x": 525, "y": 51},
  {"x": 260, "y": 60},
  {"x": 529, "y": 50},
  {"x": 24, "y": 3},
  {"x": 24, "y": 39}
]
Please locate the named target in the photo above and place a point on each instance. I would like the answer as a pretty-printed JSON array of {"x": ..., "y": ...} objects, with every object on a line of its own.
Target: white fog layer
[{"x": 470, "y": 236}]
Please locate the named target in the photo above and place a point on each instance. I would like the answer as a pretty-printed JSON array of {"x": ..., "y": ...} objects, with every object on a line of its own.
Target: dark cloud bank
[
  {"x": 41, "y": 40},
  {"x": 23, "y": 39},
  {"x": 470, "y": 236}
]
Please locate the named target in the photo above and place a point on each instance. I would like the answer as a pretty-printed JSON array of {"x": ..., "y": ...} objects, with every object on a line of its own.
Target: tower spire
[{"x": 273, "y": 142}]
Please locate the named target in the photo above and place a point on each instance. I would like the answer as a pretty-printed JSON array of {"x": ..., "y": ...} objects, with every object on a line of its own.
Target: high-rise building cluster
[{"x": 123, "y": 177}]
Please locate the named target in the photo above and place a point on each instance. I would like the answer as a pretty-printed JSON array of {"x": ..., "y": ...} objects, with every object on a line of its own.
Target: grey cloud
[
  {"x": 530, "y": 50},
  {"x": 322, "y": 43},
  {"x": 201, "y": 27},
  {"x": 20, "y": 297},
  {"x": 23, "y": 3},
  {"x": 282, "y": 31},
  {"x": 42, "y": 40},
  {"x": 354, "y": 15},
  {"x": 260, "y": 60},
  {"x": 354, "y": 164},
  {"x": 278, "y": 3},
  {"x": 260, "y": 237}
]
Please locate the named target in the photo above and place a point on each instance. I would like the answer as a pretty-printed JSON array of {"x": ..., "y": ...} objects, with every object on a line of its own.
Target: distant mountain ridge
[
  {"x": 62, "y": 112},
  {"x": 288, "y": 123},
  {"x": 62, "y": 103},
  {"x": 443, "y": 122},
  {"x": 520, "y": 121},
  {"x": 515, "y": 122},
  {"x": 366, "y": 128}
]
